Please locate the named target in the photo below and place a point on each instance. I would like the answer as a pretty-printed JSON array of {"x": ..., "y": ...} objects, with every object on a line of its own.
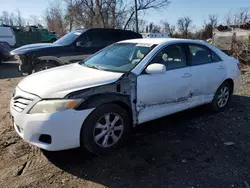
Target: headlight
[{"x": 51, "y": 106}]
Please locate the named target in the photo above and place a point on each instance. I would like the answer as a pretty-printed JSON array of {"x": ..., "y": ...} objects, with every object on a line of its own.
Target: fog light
[{"x": 45, "y": 138}]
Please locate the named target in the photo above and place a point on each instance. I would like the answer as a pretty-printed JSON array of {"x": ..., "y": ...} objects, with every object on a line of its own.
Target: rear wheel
[
  {"x": 43, "y": 66},
  {"x": 106, "y": 129},
  {"x": 222, "y": 97}
]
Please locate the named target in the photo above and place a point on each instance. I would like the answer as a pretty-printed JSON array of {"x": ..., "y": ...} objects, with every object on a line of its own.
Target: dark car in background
[
  {"x": 73, "y": 47},
  {"x": 5, "y": 52}
]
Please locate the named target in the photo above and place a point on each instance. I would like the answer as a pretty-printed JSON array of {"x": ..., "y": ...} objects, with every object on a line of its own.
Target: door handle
[
  {"x": 186, "y": 75},
  {"x": 221, "y": 67}
]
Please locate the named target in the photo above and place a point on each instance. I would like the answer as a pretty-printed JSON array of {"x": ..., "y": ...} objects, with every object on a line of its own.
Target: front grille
[
  {"x": 20, "y": 103},
  {"x": 21, "y": 100}
]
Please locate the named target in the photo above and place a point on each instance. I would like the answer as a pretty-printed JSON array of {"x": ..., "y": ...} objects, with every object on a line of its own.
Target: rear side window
[
  {"x": 125, "y": 35},
  {"x": 199, "y": 55},
  {"x": 96, "y": 39},
  {"x": 171, "y": 56},
  {"x": 215, "y": 57}
]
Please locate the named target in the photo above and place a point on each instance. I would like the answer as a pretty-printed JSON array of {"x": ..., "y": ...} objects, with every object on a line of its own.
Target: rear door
[{"x": 208, "y": 72}]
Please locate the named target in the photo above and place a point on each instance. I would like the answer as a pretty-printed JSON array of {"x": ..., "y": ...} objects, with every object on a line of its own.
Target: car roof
[
  {"x": 158, "y": 41},
  {"x": 103, "y": 29}
]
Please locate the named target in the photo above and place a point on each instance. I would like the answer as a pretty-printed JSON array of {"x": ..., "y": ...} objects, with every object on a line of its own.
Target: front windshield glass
[
  {"x": 69, "y": 38},
  {"x": 119, "y": 57}
]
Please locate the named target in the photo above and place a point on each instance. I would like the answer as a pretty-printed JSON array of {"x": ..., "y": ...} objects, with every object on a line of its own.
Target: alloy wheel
[
  {"x": 108, "y": 130},
  {"x": 223, "y": 97}
]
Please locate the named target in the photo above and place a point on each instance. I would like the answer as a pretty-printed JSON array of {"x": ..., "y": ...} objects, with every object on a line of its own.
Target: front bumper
[
  {"x": 63, "y": 127},
  {"x": 7, "y": 56},
  {"x": 25, "y": 66}
]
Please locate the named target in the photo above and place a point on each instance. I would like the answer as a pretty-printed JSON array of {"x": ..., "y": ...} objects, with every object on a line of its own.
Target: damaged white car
[{"x": 95, "y": 103}]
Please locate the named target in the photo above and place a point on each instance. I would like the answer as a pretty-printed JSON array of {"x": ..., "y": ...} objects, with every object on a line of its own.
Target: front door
[
  {"x": 90, "y": 42},
  {"x": 161, "y": 94}
]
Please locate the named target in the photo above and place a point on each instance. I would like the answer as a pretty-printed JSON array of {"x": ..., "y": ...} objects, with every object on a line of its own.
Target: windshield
[
  {"x": 69, "y": 38},
  {"x": 119, "y": 57}
]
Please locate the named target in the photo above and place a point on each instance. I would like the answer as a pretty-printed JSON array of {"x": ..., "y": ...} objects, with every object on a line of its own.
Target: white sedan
[{"x": 96, "y": 102}]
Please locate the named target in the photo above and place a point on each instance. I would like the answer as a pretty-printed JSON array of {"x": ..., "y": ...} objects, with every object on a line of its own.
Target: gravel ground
[{"x": 195, "y": 148}]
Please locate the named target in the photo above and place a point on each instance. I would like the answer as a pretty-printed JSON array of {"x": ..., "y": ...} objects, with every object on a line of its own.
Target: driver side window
[{"x": 171, "y": 56}]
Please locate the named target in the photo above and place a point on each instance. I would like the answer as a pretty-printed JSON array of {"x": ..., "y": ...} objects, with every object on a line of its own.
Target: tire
[
  {"x": 43, "y": 66},
  {"x": 222, "y": 97},
  {"x": 100, "y": 143}
]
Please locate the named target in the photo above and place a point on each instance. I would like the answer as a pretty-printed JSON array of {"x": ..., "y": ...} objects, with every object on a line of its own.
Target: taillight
[{"x": 238, "y": 64}]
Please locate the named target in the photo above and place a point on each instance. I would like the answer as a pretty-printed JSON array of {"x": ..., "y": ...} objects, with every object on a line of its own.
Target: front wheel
[
  {"x": 222, "y": 97},
  {"x": 106, "y": 129},
  {"x": 43, "y": 66}
]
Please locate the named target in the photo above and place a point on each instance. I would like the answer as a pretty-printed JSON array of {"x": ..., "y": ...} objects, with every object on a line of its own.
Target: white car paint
[
  {"x": 59, "y": 81},
  {"x": 7, "y": 35},
  {"x": 155, "y": 101},
  {"x": 157, "y": 95}
]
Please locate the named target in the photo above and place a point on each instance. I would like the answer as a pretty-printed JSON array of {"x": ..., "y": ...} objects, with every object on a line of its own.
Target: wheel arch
[
  {"x": 48, "y": 59},
  {"x": 230, "y": 81},
  {"x": 95, "y": 102},
  {"x": 101, "y": 99}
]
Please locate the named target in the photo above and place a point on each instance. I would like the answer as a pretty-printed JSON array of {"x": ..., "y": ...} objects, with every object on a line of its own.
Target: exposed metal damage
[
  {"x": 123, "y": 90},
  {"x": 141, "y": 105}
]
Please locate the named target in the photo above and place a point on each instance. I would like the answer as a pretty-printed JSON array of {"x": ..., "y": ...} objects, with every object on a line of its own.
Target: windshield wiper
[{"x": 94, "y": 67}]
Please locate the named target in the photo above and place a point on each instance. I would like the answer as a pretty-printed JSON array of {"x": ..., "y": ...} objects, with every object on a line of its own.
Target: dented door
[{"x": 162, "y": 94}]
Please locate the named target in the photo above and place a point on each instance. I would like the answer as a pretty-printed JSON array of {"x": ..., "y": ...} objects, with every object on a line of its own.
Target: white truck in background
[{"x": 7, "y": 36}]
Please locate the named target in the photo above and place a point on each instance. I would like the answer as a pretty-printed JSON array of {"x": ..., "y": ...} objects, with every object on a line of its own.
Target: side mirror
[
  {"x": 79, "y": 44},
  {"x": 156, "y": 68}
]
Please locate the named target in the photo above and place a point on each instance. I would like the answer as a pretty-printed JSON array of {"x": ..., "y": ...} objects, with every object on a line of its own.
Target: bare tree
[
  {"x": 154, "y": 28},
  {"x": 242, "y": 16},
  {"x": 55, "y": 19},
  {"x": 141, "y": 25},
  {"x": 184, "y": 25},
  {"x": 35, "y": 20},
  {"x": 239, "y": 17},
  {"x": 229, "y": 18},
  {"x": 167, "y": 28},
  {"x": 209, "y": 26},
  {"x": 144, "y": 5},
  {"x": 107, "y": 13},
  {"x": 96, "y": 13},
  {"x": 70, "y": 14},
  {"x": 7, "y": 18},
  {"x": 19, "y": 19}
]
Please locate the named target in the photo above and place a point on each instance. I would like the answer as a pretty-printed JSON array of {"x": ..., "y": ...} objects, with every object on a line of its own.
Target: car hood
[
  {"x": 60, "y": 81},
  {"x": 32, "y": 47}
]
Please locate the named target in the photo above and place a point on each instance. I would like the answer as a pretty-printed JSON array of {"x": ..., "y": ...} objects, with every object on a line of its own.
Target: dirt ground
[{"x": 183, "y": 150}]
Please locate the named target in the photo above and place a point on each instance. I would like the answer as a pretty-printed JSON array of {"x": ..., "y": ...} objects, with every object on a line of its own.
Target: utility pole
[{"x": 136, "y": 17}]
